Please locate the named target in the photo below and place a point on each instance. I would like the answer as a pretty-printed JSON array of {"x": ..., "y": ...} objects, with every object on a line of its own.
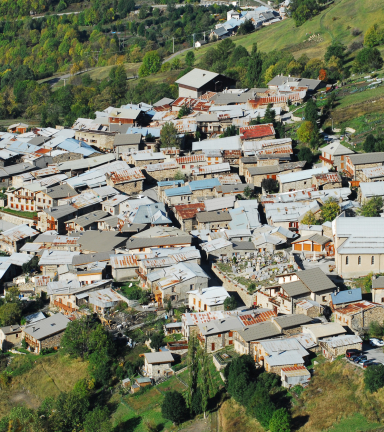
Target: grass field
[
  {"x": 49, "y": 376},
  {"x": 355, "y": 423}
]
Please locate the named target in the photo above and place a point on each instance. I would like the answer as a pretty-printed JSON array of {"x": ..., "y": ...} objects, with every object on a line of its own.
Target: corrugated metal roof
[
  {"x": 211, "y": 169},
  {"x": 346, "y": 296},
  {"x": 188, "y": 211},
  {"x": 295, "y": 371},
  {"x": 254, "y": 318},
  {"x": 160, "y": 166},
  {"x": 19, "y": 232},
  {"x": 190, "y": 159},
  {"x": 221, "y": 203},
  {"x": 257, "y": 131},
  {"x": 341, "y": 341},
  {"x": 366, "y": 158},
  {"x": 301, "y": 175},
  {"x": 197, "y": 78},
  {"x": 126, "y": 175},
  {"x": 357, "y": 308}
]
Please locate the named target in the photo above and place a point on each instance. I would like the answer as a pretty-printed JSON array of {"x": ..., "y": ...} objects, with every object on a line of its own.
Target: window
[
  {"x": 230, "y": 334},
  {"x": 183, "y": 166},
  {"x": 43, "y": 201},
  {"x": 324, "y": 298},
  {"x": 359, "y": 260},
  {"x": 342, "y": 158},
  {"x": 194, "y": 301},
  {"x": 231, "y": 342},
  {"x": 346, "y": 260},
  {"x": 39, "y": 200},
  {"x": 373, "y": 260},
  {"x": 213, "y": 347},
  {"x": 219, "y": 335}
]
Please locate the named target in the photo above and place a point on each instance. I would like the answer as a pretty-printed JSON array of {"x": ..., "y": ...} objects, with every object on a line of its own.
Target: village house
[
  {"x": 217, "y": 249},
  {"x": 309, "y": 308},
  {"x": 255, "y": 175},
  {"x": 207, "y": 299},
  {"x": 145, "y": 244},
  {"x": 185, "y": 214},
  {"x": 246, "y": 338},
  {"x": 126, "y": 143},
  {"x": 125, "y": 116},
  {"x": 158, "y": 364},
  {"x": 174, "y": 282},
  {"x": 323, "y": 330},
  {"x": 210, "y": 171},
  {"x": 128, "y": 181},
  {"x": 54, "y": 218},
  {"x": 358, "y": 316},
  {"x": 375, "y": 174},
  {"x": 162, "y": 186},
  {"x": 12, "y": 240},
  {"x": 298, "y": 180},
  {"x": 102, "y": 139},
  {"x": 292, "y": 376},
  {"x": 161, "y": 171},
  {"x": 51, "y": 260},
  {"x": 338, "y": 345},
  {"x": 357, "y": 162},
  {"x": 199, "y": 81},
  {"x": 192, "y": 162},
  {"x": 46, "y": 333},
  {"x": 124, "y": 267},
  {"x": 213, "y": 220},
  {"x": 334, "y": 156},
  {"x": 343, "y": 298},
  {"x": 145, "y": 157},
  {"x": 191, "y": 192},
  {"x": 116, "y": 204},
  {"x": 88, "y": 221},
  {"x": 10, "y": 336},
  {"x": 258, "y": 132},
  {"x": 328, "y": 180},
  {"x": 377, "y": 289},
  {"x": 49, "y": 197},
  {"x": 290, "y": 81}
]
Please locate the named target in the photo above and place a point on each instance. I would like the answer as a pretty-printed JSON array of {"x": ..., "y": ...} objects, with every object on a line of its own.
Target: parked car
[
  {"x": 354, "y": 356},
  {"x": 352, "y": 352},
  {"x": 368, "y": 363},
  {"x": 359, "y": 358},
  {"x": 362, "y": 361},
  {"x": 376, "y": 342}
]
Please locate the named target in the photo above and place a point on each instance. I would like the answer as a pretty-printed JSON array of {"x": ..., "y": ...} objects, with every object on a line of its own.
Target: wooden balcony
[{"x": 64, "y": 306}]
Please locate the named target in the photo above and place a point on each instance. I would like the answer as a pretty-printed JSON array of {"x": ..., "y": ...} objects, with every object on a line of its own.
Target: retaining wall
[{"x": 17, "y": 220}]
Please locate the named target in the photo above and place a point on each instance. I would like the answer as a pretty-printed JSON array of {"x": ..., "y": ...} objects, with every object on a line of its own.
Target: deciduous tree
[
  {"x": 330, "y": 210},
  {"x": 174, "y": 407}
]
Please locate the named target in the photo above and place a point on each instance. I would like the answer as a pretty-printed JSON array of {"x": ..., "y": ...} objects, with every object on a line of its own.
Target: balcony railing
[{"x": 64, "y": 306}]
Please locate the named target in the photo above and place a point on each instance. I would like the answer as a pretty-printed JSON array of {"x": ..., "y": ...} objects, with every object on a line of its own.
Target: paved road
[
  {"x": 373, "y": 353},
  {"x": 172, "y": 56},
  {"x": 59, "y": 14}
]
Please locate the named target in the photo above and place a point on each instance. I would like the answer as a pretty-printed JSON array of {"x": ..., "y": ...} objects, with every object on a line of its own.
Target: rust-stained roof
[
  {"x": 188, "y": 211},
  {"x": 190, "y": 159},
  {"x": 126, "y": 175},
  {"x": 255, "y": 318},
  {"x": 355, "y": 308},
  {"x": 229, "y": 179},
  {"x": 42, "y": 280},
  {"x": 19, "y": 232},
  {"x": 208, "y": 95},
  {"x": 256, "y": 103},
  {"x": 123, "y": 261},
  {"x": 293, "y": 371},
  {"x": 283, "y": 150},
  {"x": 45, "y": 171},
  {"x": 232, "y": 153},
  {"x": 328, "y": 178},
  {"x": 257, "y": 131},
  {"x": 160, "y": 108}
]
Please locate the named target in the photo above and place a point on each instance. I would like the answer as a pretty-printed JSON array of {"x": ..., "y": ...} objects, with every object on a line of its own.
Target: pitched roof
[
  {"x": 197, "y": 78},
  {"x": 159, "y": 357},
  {"x": 301, "y": 175},
  {"x": 315, "y": 238},
  {"x": 336, "y": 149},
  {"x": 378, "y": 283},
  {"x": 262, "y": 330},
  {"x": 287, "y": 321},
  {"x": 189, "y": 211},
  {"x": 257, "y": 131},
  {"x": 137, "y": 243},
  {"x": 347, "y": 296},
  {"x": 355, "y": 308},
  {"x": 127, "y": 139},
  {"x": 316, "y": 280},
  {"x": 214, "y": 216},
  {"x": 366, "y": 158},
  {"x": 48, "y": 326}
]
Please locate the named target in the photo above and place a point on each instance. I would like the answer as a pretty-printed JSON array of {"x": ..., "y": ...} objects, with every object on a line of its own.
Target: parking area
[{"x": 374, "y": 353}]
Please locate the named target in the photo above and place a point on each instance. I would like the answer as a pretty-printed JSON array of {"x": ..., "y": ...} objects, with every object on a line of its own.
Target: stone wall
[
  {"x": 156, "y": 176},
  {"x": 124, "y": 274},
  {"x": 129, "y": 187},
  {"x": 361, "y": 321},
  {"x": 217, "y": 342},
  {"x": 296, "y": 185},
  {"x": 231, "y": 285},
  {"x": 67, "y": 156},
  {"x": 312, "y": 312},
  {"x": 17, "y": 220},
  {"x": 332, "y": 353},
  {"x": 51, "y": 342},
  {"x": 99, "y": 140}
]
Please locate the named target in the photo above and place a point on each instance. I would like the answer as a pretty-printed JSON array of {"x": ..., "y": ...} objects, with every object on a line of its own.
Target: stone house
[
  {"x": 100, "y": 139},
  {"x": 357, "y": 162},
  {"x": 343, "y": 298},
  {"x": 192, "y": 162},
  {"x": 213, "y": 220},
  {"x": 54, "y": 218},
  {"x": 257, "y": 174},
  {"x": 246, "y": 338},
  {"x": 174, "y": 282},
  {"x": 49, "y": 197},
  {"x": 325, "y": 181},
  {"x": 126, "y": 143},
  {"x": 334, "y": 155},
  {"x": 210, "y": 171},
  {"x": 337, "y": 346},
  {"x": 162, "y": 186},
  {"x": 309, "y": 308},
  {"x": 217, "y": 249},
  {"x": 89, "y": 221},
  {"x": 158, "y": 364},
  {"x": 358, "y": 316},
  {"x": 208, "y": 299},
  {"x": 125, "y": 116},
  {"x": 10, "y": 336},
  {"x": 232, "y": 189},
  {"x": 375, "y": 174},
  {"x": 124, "y": 267},
  {"x": 160, "y": 172},
  {"x": 185, "y": 214},
  {"x": 247, "y": 162},
  {"x": 116, "y": 204},
  {"x": 145, "y": 157},
  {"x": 129, "y": 181},
  {"x": 298, "y": 180},
  {"x": 46, "y": 333},
  {"x": 292, "y": 376},
  {"x": 191, "y": 192},
  {"x": 321, "y": 331},
  {"x": 280, "y": 353}
]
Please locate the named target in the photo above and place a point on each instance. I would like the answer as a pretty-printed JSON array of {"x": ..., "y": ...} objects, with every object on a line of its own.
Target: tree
[
  {"x": 270, "y": 185},
  {"x": 157, "y": 341},
  {"x": 100, "y": 366},
  {"x": 270, "y": 115},
  {"x": 305, "y": 154},
  {"x": 309, "y": 219},
  {"x": 239, "y": 374},
  {"x": 229, "y": 131},
  {"x": 310, "y": 111},
  {"x": 184, "y": 111},
  {"x": 247, "y": 192},
  {"x": 70, "y": 412},
  {"x": 372, "y": 36},
  {"x": 330, "y": 210},
  {"x": 179, "y": 176},
  {"x": 369, "y": 143},
  {"x": 10, "y": 313},
  {"x": 204, "y": 381},
  {"x": 375, "y": 329},
  {"x": 255, "y": 67},
  {"x": 193, "y": 369},
  {"x": 280, "y": 421},
  {"x": 374, "y": 378},
  {"x": 337, "y": 50},
  {"x": 367, "y": 59},
  {"x": 323, "y": 75},
  {"x": 97, "y": 420},
  {"x": 118, "y": 83},
  {"x": 169, "y": 136},
  {"x": 371, "y": 208},
  {"x": 230, "y": 303},
  {"x": 151, "y": 64},
  {"x": 306, "y": 131},
  {"x": 174, "y": 407},
  {"x": 190, "y": 58},
  {"x": 246, "y": 27}
]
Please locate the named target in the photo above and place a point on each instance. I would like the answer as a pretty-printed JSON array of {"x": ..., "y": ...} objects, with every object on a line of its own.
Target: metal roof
[
  {"x": 89, "y": 218},
  {"x": 347, "y": 296},
  {"x": 270, "y": 169},
  {"x": 126, "y": 175},
  {"x": 211, "y": 169},
  {"x": 366, "y": 158},
  {"x": 356, "y": 308},
  {"x": 374, "y": 172},
  {"x": 170, "y": 183},
  {"x": 295, "y": 288},
  {"x": 255, "y": 317},
  {"x": 211, "y": 296},
  {"x": 214, "y": 216},
  {"x": 197, "y": 78},
  {"x": 160, "y": 166},
  {"x": 215, "y": 244},
  {"x": 159, "y": 357},
  {"x": 324, "y": 329},
  {"x": 315, "y": 238},
  {"x": 336, "y": 149},
  {"x": 123, "y": 261},
  {"x": 371, "y": 189},
  {"x": 138, "y": 243},
  {"x": 177, "y": 191},
  {"x": 57, "y": 257},
  {"x": 19, "y": 259},
  {"x": 90, "y": 258},
  {"x": 262, "y": 330},
  {"x": 188, "y": 211},
  {"x": 257, "y": 131},
  {"x": 378, "y": 282},
  {"x": 86, "y": 162},
  {"x": 204, "y": 184},
  {"x": 228, "y": 143},
  {"x": 19, "y": 232},
  {"x": 48, "y": 326},
  {"x": 60, "y": 191},
  {"x": 295, "y": 371},
  {"x": 341, "y": 341},
  {"x": 127, "y": 139},
  {"x": 301, "y": 175}
]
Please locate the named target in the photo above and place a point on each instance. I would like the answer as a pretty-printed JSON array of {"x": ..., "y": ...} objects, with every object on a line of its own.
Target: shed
[{"x": 294, "y": 375}]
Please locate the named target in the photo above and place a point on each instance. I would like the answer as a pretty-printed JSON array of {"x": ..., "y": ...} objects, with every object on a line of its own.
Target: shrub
[{"x": 374, "y": 378}]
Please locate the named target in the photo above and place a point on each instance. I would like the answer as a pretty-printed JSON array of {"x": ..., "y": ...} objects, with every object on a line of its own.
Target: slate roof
[
  {"x": 48, "y": 326},
  {"x": 214, "y": 216},
  {"x": 295, "y": 288},
  {"x": 288, "y": 321},
  {"x": 259, "y": 331},
  {"x": 347, "y": 296},
  {"x": 197, "y": 78},
  {"x": 127, "y": 139},
  {"x": 159, "y": 357},
  {"x": 316, "y": 238},
  {"x": 316, "y": 280},
  {"x": 366, "y": 158}
]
